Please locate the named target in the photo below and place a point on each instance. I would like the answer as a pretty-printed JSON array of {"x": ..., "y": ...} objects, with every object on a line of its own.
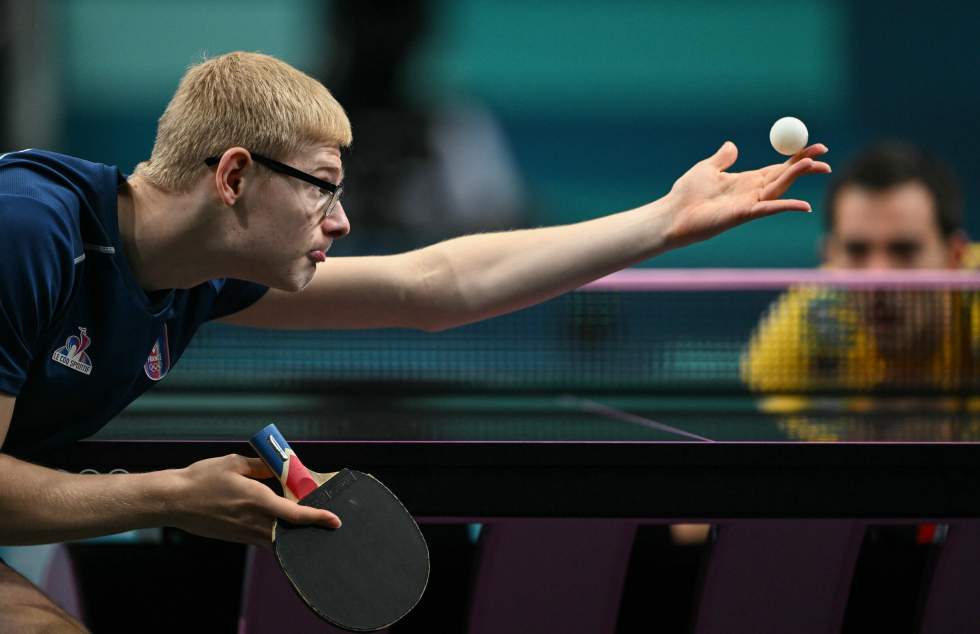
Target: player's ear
[
  {"x": 229, "y": 174},
  {"x": 956, "y": 249}
]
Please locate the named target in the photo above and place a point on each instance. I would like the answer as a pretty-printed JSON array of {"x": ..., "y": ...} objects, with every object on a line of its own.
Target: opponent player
[
  {"x": 105, "y": 280},
  {"x": 894, "y": 207}
]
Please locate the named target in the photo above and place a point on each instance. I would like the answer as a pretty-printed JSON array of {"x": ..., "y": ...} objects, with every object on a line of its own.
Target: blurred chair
[
  {"x": 952, "y": 605},
  {"x": 775, "y": 577},
  {"x": 551, "y": 576},
  {"x": 60, "y": 582}
]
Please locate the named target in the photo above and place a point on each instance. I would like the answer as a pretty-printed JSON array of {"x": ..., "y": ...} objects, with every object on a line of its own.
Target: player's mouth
[{"x": 318, "y": 255}]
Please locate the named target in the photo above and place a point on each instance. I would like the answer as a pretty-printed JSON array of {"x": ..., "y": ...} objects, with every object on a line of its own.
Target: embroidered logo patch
[
  {"x": 158, "y": 363},
  {"x": 73, "y": 355}
]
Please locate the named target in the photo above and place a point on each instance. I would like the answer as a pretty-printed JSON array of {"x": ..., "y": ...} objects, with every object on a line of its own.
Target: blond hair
[{"x": 241, "y": 99}]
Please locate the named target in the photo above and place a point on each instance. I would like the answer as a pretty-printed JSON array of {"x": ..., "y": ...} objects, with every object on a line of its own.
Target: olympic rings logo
[{"x": 96, "y": 471}]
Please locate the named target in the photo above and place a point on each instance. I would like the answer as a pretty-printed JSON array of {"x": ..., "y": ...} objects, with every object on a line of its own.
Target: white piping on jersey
[
  {"x": 99, "y": 248},
  {"x": 88, "y": 246},
  {"x": 3, "y": 156}
]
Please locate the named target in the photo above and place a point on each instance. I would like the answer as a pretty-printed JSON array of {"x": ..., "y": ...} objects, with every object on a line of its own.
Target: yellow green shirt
[{"x": 814, "y": 339}]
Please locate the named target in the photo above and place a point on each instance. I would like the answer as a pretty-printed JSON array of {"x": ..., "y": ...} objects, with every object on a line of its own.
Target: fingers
[
  {"x": 279, "y": 506},
  {"x": 250, "y": 467},
  {"x": 770, "y": 207},
  {"x": 819, "y": 167},
  {"x": 769, "y": 202},
  {"x": 724, "y": 157},
  {"x": 812, "y": 151},
  {"x": 778, "y": 187},
  {"x": 299, "y": 514}
]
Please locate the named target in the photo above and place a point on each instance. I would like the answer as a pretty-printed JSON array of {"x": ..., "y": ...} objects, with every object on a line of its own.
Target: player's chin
[{"x": 296, "y": 279}]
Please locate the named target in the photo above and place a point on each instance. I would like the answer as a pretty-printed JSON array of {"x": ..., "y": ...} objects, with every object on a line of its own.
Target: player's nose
[
  {"x": 879, "y": 260},
  {"x": 336, "y": 225}
]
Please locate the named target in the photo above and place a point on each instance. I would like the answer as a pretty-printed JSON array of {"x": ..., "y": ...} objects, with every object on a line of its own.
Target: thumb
[
  {"x": 724, "y": 157},
  {"x": 253, "y": 468}
]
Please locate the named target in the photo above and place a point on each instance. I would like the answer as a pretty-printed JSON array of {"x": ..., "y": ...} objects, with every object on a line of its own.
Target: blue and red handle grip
[{"x": 297, "y": 481}]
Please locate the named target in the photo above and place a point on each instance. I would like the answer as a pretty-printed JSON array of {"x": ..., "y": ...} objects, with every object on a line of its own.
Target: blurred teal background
[{"x": 602, "y": 105}]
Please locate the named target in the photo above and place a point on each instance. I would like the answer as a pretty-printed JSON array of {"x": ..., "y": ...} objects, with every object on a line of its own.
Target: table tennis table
[
  {"x": 552, "y": 475},
  {"x": 554, "y": 463},
  {"x": 601, "y": 456}
]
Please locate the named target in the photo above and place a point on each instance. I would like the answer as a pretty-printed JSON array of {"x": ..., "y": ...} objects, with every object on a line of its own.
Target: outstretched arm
[{"x": 474, "y": 277}]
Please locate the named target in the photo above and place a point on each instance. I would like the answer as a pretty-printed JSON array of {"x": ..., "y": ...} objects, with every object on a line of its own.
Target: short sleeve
[
  {"x": 36, "y": 262},
  {"x": 233, "y": 296}
]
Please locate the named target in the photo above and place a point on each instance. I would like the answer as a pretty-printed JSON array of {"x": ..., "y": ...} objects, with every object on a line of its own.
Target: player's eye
[
  {"x": 904, "y": 250},
  {"x": 856, "y": 250}
]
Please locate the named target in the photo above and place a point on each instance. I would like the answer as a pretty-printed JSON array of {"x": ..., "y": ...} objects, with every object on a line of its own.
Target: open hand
[{"x": 709, "y": 200}]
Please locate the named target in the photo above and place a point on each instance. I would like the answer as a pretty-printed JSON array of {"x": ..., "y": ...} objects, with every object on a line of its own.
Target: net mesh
[{"x": 817, "y": 334}]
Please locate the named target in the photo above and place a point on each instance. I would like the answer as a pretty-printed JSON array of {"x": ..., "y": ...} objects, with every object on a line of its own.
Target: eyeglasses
[{"x": 329, "y": 193}]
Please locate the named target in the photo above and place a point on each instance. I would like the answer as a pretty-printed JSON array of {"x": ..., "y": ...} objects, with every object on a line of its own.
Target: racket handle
[{"x": 296, "y": 480}]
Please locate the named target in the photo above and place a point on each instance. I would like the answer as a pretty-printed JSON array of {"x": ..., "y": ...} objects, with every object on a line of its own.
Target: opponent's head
[
  {"x": 896, "y": 207},
  {"x": 240, "y": 104}
]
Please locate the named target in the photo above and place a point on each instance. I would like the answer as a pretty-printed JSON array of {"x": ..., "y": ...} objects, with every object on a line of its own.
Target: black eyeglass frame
[{"x": 282, "y": 168}]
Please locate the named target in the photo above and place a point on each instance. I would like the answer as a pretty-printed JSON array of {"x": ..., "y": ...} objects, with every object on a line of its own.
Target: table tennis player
[
  {"x": 893, "y": 207},
  {"x": 106, "y": 278}
]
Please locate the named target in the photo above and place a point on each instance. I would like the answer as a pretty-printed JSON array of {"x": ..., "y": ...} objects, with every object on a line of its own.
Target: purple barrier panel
[
  {"x": 269, "y": 603},
  {"x": 60, "y": 582},
  {"x": 777, "y": 576},
  {"x": 551, "y": 576},
  {"x": 953, "y": 602}
]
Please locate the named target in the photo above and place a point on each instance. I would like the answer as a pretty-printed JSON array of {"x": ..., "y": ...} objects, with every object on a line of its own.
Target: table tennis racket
[{"x": 363, "y": 576}]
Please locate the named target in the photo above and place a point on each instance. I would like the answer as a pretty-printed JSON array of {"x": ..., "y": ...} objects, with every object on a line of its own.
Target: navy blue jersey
[{"x": 79, "y": 339}]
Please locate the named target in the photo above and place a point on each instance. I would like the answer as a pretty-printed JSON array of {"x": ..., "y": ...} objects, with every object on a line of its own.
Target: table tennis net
[{"x": 644, "y": 331}]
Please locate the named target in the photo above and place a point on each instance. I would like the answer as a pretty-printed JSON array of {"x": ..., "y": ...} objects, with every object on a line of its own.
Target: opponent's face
[
  {"x": 892, "y": 229},
  {"x": 293, "y": 228}
]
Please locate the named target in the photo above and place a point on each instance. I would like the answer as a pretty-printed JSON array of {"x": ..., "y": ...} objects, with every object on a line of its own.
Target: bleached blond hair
[{"x": 241, "y": 99}]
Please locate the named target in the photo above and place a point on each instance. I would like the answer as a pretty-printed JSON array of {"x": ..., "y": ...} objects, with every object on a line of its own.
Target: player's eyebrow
[
  {"x": 904, "y": 244},
  {"x": 332, "y": 170}
]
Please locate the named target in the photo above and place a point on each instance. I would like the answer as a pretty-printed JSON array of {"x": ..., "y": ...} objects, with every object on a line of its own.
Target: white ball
[{"x": 788, "y": 136}]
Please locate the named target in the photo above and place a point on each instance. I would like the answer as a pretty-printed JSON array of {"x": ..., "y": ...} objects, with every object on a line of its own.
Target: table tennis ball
[{"x": 788, "y": 136}]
